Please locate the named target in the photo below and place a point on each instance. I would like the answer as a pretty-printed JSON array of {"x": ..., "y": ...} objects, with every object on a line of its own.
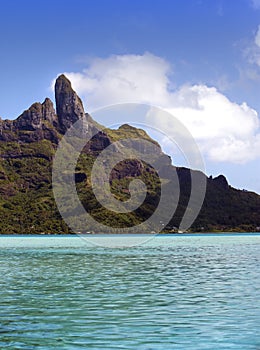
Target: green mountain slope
[{"x": 28, "y": 145}]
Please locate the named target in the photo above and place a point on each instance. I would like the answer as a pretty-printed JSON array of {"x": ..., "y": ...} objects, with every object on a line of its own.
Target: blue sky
[{"x": 200, "y": 60}]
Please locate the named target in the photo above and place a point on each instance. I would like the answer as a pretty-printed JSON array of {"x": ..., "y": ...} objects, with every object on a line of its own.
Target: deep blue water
[{"x": 170, "y": 292}]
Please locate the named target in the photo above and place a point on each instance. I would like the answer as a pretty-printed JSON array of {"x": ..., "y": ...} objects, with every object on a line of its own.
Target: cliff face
[
  {"x": 38, "y": 115},
  {"x": 35, "y": 122},
  {"x": 69, "y": 106},
  {"x": 27, "y": 147},
  {"x": 41, "y": 121}
]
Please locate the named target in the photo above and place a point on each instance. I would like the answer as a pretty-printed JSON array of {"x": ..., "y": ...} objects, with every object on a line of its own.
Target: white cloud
[
  {"x": 224, "y": 130},
  {"x": 122, "y": 79}
]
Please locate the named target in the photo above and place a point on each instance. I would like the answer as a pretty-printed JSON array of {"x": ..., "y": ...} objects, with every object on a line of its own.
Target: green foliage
[
  {"x": 126, "y": 131},
  {"x": 27, "y": 204}
]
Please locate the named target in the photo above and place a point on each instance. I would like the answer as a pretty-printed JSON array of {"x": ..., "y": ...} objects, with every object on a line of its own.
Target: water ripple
[{"x": 195, "y": 295}]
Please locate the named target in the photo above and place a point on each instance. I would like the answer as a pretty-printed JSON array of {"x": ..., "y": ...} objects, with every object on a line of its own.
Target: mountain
[{"x": 27, "y": 149}]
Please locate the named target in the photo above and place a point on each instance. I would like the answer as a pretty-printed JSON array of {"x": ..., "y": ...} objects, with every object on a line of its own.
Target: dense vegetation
[{"x": 27, "y": 205}]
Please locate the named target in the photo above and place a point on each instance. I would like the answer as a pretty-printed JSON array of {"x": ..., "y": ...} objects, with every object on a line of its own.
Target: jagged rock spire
[
  {"x": 33, "y": 118},
  {"x": 49, "y": 112},
  {"x": 43, "y": 122},
  {"x": 69, "y": 106}
]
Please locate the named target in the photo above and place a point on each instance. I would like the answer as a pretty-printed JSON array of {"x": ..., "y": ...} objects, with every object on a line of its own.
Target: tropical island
[{"x": 27, "y": 205}]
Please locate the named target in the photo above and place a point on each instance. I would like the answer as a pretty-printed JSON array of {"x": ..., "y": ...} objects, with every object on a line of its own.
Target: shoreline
[{"x": 222, "y": 233}]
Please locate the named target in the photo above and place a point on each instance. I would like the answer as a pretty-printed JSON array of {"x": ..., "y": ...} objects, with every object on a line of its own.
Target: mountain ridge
[{"x": 28, "y": 145}]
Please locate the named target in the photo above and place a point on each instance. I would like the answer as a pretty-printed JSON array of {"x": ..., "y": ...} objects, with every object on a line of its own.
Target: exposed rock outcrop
[
  {"x": 35, "y": 117},
  {"x": 69, "y": 106},
  {"x": 41, "y": 121},
  {"x": 36, "y": 123},
  {"x": 221, "y": 181},
  {"x": 27, "y": 146}
]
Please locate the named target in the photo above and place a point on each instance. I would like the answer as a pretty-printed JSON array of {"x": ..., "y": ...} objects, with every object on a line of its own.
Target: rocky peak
[
  {"x": 34, "y": 117},
  {"x": 68, "y": 105},
  {"x": 30, "y": 119},
  {"x": 221, "y": 181},
  {"x": 41, "y": 121},
  {"x": 48, "y": 111}
]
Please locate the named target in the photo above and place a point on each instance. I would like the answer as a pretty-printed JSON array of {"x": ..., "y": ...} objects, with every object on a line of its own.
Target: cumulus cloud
[
  {"x": 224, "y": 130},
  {"x": 123, "y": 78}
]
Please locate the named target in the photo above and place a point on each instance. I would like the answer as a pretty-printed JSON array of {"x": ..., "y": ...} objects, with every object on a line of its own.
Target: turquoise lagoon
[{"x": 189, "y": 292}]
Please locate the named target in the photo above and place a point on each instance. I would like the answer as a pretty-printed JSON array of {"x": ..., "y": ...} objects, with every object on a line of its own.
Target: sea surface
[{"x": 192, "y": 292}]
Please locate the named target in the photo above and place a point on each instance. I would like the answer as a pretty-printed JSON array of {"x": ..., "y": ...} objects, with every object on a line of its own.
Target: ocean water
[{"x": 189, "y": 292}]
